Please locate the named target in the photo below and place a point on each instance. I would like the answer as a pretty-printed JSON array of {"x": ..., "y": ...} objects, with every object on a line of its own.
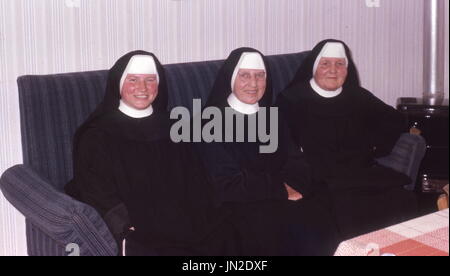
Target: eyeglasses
[
  {"x": 246, "y": 77},
  {"x": 325, "y": 64}
]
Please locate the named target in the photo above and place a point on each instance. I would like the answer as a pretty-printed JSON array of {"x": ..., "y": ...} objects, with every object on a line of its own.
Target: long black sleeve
[
  {"x": 95, "y": 185},
  {"x": 386, "y": 124},
  {"x": 286, "y": 107},
  {"x": 297, "y": 172},
  {"x": 235, "y": 184}
]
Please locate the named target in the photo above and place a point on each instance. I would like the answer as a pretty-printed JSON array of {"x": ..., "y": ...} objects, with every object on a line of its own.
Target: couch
[{"x": 51, "y": 109}]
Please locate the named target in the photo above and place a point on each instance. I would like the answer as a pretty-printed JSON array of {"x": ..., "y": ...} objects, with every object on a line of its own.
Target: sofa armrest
[
  {"x": 406, "y": 157},
  {"x": 64, "y": 219}
]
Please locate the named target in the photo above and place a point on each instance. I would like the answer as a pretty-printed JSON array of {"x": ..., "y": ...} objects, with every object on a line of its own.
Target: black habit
[
  {"x": 341, "y": 137},
  {"x": 131, "y": 172},
  {"x": 252, "y": 184}
]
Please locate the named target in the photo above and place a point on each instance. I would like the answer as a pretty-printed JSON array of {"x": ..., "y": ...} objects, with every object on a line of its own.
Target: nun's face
[
  {"x": 250, "y": 85},
  {"x": 139, "y": 91},
  {"x": 331, "y": 73}
]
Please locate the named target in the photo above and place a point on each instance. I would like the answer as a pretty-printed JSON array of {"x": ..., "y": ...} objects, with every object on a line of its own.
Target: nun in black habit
[
  {"x": 146, "y": 187},
  {"x": 267, "y": 192},
  {"x": 342, "y": 128}
]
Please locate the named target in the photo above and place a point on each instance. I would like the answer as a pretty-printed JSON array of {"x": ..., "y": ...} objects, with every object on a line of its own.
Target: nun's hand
[{"x": 293, "y": 195}]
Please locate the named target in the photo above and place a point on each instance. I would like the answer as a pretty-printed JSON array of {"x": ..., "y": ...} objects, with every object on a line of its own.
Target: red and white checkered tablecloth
[{"x": 424, "y": 236}]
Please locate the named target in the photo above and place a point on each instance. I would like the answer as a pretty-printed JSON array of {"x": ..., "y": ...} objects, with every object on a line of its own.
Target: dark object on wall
[{"x": 431, "y": 118}]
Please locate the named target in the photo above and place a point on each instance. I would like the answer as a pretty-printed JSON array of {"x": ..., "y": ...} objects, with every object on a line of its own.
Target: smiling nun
[{"x": 147, "y": 188}]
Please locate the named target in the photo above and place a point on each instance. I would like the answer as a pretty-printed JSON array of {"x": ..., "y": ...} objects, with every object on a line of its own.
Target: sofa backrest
[{"x": 52, "y": 107}]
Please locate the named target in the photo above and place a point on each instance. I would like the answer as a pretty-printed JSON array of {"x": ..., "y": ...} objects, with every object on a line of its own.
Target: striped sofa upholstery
[{"x": 52, "y": 107}]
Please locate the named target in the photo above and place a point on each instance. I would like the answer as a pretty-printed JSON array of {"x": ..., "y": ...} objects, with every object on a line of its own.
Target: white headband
[
  {"x": 248, "y": 60},
  {"x": 331, "y": 50},
  {"x": 139, "y": 64}
]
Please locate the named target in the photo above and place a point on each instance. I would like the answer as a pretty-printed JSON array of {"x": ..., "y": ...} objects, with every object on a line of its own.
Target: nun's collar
[
  {"x": 135, "y": 113},
  {"x": 239, "y": 106},
  {"x": 322, "y": 92}
]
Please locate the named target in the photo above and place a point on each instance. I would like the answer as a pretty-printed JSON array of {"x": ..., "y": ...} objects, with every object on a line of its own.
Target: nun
[
  {"x": 342, "y": 128},
  {"x": 268, "y": 193},
  {"x": 129, "y": 170}
]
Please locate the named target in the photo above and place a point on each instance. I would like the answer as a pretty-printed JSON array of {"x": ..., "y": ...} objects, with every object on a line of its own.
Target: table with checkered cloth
[{"x": 424, "y": 236}]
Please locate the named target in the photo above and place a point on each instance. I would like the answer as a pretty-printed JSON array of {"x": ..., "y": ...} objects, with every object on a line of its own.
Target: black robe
[
  {"x": 341, "y": 138},
  {"x": 131, "y": 172},
  {"x": 251, "y": 184}
]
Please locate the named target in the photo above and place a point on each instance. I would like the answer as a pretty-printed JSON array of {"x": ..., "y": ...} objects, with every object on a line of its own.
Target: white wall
[
  {"x": 446, "y": 48},
  {"x": 50, "y": 36}
]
